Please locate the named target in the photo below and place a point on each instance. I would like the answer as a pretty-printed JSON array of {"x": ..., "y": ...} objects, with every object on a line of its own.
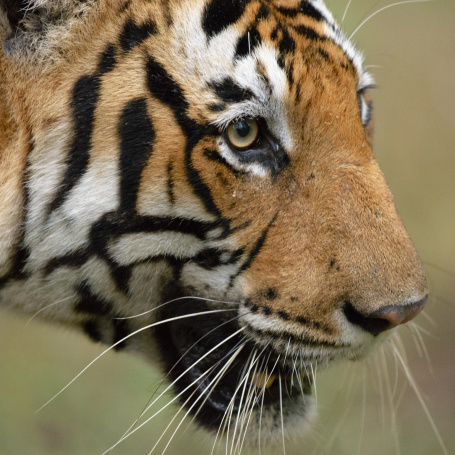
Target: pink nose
[{"x": 385, "y": 318}]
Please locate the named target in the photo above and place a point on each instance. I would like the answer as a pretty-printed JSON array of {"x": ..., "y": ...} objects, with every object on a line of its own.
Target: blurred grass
[{"x": 414, "y": 47}]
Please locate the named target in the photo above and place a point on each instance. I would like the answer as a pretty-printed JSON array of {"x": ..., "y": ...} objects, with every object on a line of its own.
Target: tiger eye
[{"x": 243, "y": 133}]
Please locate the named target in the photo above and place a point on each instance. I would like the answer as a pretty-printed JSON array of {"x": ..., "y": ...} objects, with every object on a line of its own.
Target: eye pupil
[{"x": 242, "y": 128}]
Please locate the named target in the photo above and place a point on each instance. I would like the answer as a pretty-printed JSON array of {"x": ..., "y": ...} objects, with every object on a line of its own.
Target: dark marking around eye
[
  {"x": 220, "y": 14},
  {"x": 248, "y": 42},
  {"x": 213, "y": 155},
  {"x": 230, "y": 92},
  {"x": 136, "y": 143},
  {"x": 217, "y": 107},
  {"x": 163, "y": 87},
  {"x": 134, "y": 34}
]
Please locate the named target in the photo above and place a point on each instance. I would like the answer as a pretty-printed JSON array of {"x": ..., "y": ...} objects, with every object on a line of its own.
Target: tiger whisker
[
  {"x": 176, "y": 300},
  {"x": 237, "y": 420},
  {"x": 49, "y": 306},
  {"x": 391, "y": 401},
  {"x": 415, "y": 330},
  {"x": 346, "y": 11},
  {"x": 126, "y": 435},
  {"x": 281, "y": 412},
  {"x": 122, "y": 340},
  {"x": 148, "y": 405},
  {"x": 416, "y": 390},
  {"x": 382, "y": 9},
  {"x": 243, "y": 342},
  {"x": 211, "y": 386},
  {"x": 248, "y": 409}
]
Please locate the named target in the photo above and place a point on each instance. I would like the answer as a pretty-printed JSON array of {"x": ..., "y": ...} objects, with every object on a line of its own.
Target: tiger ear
[
  {"x": 37, "y": 26},
  {"x": 15, "y": 11}
]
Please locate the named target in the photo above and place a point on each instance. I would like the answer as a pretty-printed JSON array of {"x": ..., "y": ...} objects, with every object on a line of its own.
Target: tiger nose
[{"x": 385, "y": 318}]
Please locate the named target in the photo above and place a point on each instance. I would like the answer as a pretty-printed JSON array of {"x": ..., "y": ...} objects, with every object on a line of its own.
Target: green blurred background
[{"x": 411, "y": 49}]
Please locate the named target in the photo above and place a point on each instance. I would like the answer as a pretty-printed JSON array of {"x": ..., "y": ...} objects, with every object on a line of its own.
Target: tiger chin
[{"x": 193, "y": 181}]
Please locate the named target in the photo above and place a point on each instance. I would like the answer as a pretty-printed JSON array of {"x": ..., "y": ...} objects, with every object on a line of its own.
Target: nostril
[{"x": 385, "y": 318}]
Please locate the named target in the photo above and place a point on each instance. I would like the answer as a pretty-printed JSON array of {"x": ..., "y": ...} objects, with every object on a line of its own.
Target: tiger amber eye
[
  {"x": 263, "y": 381},
  {"x": 242, "y": 133}
]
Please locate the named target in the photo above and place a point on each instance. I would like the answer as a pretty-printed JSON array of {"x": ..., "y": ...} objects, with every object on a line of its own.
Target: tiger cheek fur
[{"x": 198, "y": 158}]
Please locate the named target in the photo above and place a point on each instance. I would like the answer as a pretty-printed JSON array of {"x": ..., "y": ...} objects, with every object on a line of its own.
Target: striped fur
[{"x": 118, "y": 182}]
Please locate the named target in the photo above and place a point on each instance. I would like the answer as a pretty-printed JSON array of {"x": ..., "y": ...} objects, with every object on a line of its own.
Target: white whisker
[
  {"x": 122, "y": 340},
  {"x": 382, "y": 9},
  {"x": 176, "y": 300},
  {"x": 129, "y": 433},
  {"x": 49, "y": 306},
  {"x": 346, "y": 11},
  {"x": 281, "y": 412},
  {"x": 414, "y": 387},
  {"x": 215, "y": 380}
]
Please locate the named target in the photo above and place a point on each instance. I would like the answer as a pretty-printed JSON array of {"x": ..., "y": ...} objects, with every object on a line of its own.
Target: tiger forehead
[{"x": 236, "y": 51}]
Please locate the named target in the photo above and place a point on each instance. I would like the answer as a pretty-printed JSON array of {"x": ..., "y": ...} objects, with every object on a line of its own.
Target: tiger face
[{"x": 196, "y": 184}]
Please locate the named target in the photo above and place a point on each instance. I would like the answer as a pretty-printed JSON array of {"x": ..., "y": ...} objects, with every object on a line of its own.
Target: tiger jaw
[{"x": 222, "y": 376}]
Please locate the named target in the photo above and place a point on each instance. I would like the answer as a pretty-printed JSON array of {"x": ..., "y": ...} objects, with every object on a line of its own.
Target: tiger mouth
[{"x": 219, "y": 373}]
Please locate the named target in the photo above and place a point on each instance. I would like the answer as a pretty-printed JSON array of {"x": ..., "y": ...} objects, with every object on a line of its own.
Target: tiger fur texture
[{"x": 193, "y": 181}]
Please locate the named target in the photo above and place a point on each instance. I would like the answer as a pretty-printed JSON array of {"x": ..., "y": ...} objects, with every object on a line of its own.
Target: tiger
[{"x": 193, "y": 181}]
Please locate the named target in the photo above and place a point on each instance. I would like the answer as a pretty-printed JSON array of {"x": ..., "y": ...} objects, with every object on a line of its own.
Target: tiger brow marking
[
  {"x": 220, "y": 14},
  {"x": 163, "y": 87}
]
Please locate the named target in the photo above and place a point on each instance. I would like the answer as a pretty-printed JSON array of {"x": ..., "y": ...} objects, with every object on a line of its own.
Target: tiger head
[{"x": 196, "y": 183}]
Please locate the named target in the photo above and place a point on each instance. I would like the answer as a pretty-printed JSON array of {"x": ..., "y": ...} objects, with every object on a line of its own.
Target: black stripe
[
  {"x": 133, "y": 34},
  {"x": 263, "y": 13},
  {"x": 220, "y": 14},
  {"x": 121, "y": 275},
  {"x": 136, "y": 142},
  {"x": 213, "y": 155},
  {"x": 165, "y": 89},
  {"x": 90, "y": 303},
  {"x": 230, "y": 92},
  {"x": 308, "y": 33},
  {"x": 73, "y": 259},
  {"x": 21, "y": 253},
  {"x": 85, "y": 98},
  {"x": 170, "y": 183},
  {"x": 305, "y": 8},
  {"x": 248, "y": 42},
  {"x": 121, "y": 330},
  {"x": 254, "y": 252},
  {"x": 107, "y": 61}
]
